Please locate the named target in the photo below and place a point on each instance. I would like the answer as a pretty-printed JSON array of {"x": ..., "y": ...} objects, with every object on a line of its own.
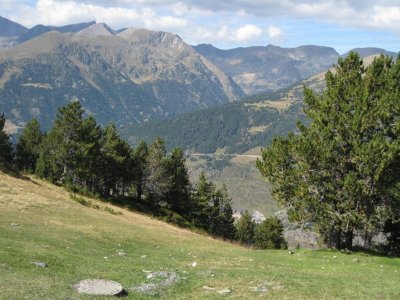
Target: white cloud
[
  {"x": 247, "y": 33},
  {"x": 364, "y": 14},
  {"x": 274, "y": 32},
  {"x": 51, "y": 12},
  {"x": 385, "y": 16}
]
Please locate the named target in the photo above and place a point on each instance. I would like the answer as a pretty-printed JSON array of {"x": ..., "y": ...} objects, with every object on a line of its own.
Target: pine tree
[
  {"x": 201, "y": 201},
  {"x": 5, "y": 145},
  {"x": 245, "y": 229},
  {"x": 27, "y": 149},
  {"x": 117, "y": 164},
  {"x": 221, "y": 221},
  {"x": 62, "y": 148},
  {"x": 158, "y": 181},
  {"x": 269, "y": 234},
  {"x": 341, "y": 172},
  {"x": 139, "y": 158},
  {"x": 178, "y": 197}
]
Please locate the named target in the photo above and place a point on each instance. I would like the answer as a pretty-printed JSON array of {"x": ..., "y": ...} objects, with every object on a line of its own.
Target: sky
[{"x": 341, "y": 24}]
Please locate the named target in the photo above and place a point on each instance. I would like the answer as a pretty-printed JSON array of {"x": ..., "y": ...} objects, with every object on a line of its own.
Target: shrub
[{"x": 269, "y": 234}]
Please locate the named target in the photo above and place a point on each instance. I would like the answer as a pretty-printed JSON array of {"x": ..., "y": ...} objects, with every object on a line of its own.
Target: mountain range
[
  {"x": 134, "y": 75},
  {"x": 124, "y": 77},
  {"x": 270, "y": 68}
]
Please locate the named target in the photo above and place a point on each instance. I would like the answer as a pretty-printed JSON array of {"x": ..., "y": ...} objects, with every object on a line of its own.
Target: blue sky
[{"x": 341, "y": 24}]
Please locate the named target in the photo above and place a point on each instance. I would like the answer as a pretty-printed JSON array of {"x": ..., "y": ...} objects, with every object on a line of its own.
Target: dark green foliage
[
  {"x": 5, "y": 145},
  {"x": 228, "y": 125},
  {"x": 269, "y": 234},
  {"x": 158, "y": 181},
  {"x": 65, "y": 148},
  {"x": 341, "y": 172},
  {"x": 139, "y": 157},
  {"x": 212, "y": 209},
  {"x": 392, "y": 231},
  {"x": 178, "y": 196},
  {"x": 27, "y": 149},
  {"x": 245, "y": 229},
  {"x": 117, "y": 164}
]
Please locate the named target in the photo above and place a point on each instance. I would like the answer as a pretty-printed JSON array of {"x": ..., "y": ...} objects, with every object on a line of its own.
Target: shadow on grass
[{"x": 14, "y": 172}]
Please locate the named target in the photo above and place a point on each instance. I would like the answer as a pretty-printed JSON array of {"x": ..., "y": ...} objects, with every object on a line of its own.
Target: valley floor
[{"x": 40, "y": 222}]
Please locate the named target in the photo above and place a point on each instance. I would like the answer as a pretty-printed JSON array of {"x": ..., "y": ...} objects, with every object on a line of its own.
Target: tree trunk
[
  {"x": 338, "y": 238},
  {"x": 349, "y": 239}
]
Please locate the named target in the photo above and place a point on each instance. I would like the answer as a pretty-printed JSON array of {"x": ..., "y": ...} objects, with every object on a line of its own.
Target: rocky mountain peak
[{"x": 97, "y": 29}]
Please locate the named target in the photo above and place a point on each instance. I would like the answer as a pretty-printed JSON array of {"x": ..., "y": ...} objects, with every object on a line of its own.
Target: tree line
[{"x": 86, "y": 158}]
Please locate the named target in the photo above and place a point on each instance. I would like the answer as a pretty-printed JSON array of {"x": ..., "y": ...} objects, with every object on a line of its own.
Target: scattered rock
[
  {"x": 14, "y": 224},
  {"x": 224, "y": 292},
  {"x": 291, "y": 252},
  {"x": 99, "y": 287},
  {"x": 194, "y": 264},
  {"x": 40, "y": 264},
  {"x": 260, "y": 289},
  {"x": 143, "y": 256},
  {"x": 121, "y": 253},
  {"x": 150, "y": 289},
  {"x": 207, "y": 288},
  {"x": 153, "y": 288}
]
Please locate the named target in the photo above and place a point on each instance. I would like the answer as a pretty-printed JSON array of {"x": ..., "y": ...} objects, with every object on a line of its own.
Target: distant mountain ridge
[
  {"x": 234, "y": 127},
  {"x": 41, "y": 29},
  {"x": 270, "y": 68},
  {"x": 11, "y": 29},
  {"x": 124, "y": 77}
]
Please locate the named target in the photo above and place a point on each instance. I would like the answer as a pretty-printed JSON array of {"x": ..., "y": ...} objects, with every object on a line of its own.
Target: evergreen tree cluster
[
  {"x": 81, "y": 155},
  {"x": 342, "y": 171},
  {"x": 266, "y": 235}
]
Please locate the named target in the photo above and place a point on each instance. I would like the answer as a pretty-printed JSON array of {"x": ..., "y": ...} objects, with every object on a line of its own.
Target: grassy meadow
[{"x": 40, "y": 222}]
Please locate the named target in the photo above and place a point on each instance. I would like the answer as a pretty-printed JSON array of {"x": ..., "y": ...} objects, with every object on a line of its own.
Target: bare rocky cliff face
[{"x": 125, "y": 77}]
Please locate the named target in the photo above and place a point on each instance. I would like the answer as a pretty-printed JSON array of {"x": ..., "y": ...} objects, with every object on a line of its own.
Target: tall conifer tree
[{"x": 341, "y": 172}]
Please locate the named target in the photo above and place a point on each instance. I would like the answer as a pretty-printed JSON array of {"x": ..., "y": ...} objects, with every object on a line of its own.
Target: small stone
[
  {"x": 40, "y": 264},
  {"x": 120, "y": 253},
  {"x": 194, "y": 264},
  {"x": 334, "y": 256},
  {"x": 224, "y": 292},
  {"x": 355, "y": 260},
  {"x": 14, "y": 224},
  {"x": 143, "y": 256},
  {"x": 291, "y": 252},
  {"x": 105, "y": 257}
]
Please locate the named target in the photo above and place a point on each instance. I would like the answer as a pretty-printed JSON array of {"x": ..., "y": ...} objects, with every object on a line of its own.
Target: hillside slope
[
  {"x": 39, "y": 222},
  {"x": 123, "y": 77}
]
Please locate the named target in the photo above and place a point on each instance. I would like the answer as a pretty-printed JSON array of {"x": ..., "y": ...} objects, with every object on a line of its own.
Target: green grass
[{"x": 74, "y": 240}]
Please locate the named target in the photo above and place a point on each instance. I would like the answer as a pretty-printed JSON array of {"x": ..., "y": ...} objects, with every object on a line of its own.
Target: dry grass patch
[
  {"x": 280, "y": 105},
  {"x": 258, "y": 129}
]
